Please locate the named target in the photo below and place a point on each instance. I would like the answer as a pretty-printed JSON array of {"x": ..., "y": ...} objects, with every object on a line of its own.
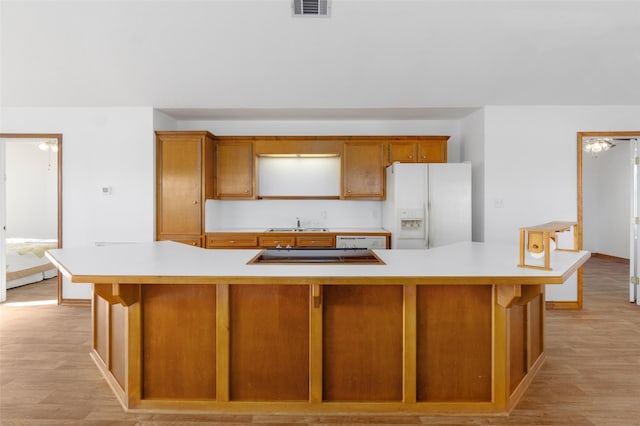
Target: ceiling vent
[{"x": 310, "y": 7}]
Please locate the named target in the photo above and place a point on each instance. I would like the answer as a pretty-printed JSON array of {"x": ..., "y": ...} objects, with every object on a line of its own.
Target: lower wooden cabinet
[
  {"x": 177, "y": 325},
  {"x": 270, "y": 240},
  {"x": 260, "y": 367},
  {"x": 424, "y": 348},
  {"x": 362, "y": 355},
  {"x": 188, "y": 240},
  {"x": 454, "y": 317},
  {"x": 276, "y": 241},
  {"x": 232, "y": 240},
  {"x": 315, "y": 241}
]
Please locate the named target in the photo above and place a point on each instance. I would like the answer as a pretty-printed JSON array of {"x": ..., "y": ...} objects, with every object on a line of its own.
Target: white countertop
[{"x": 160, "y": 261}]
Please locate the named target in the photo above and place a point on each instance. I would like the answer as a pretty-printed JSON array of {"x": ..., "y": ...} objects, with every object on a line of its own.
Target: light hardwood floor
[{"x": 591, "y": 375}]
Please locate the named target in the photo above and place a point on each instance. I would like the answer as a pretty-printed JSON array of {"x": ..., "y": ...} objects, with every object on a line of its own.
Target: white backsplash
[
  {"x": 298, "y": 176},
  {"x": 228, "y": 214}
]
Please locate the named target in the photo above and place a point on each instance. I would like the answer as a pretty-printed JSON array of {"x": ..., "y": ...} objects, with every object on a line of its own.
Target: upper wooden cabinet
[
  {"x": 405, "y": 152},
  {"x": 423, "y": 149},
  {"x": 432, "y": 152},
  {"x": 363, "y": 171},
  {"x": 235, "y": 166},
  {"x": 185, "y": 178}
]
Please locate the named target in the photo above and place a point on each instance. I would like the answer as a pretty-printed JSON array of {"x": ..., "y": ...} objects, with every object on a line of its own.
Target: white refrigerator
[{"x": 427, "y": 205}]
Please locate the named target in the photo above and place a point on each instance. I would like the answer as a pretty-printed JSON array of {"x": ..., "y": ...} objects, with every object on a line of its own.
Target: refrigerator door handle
[{"x": 426, "y": 224}]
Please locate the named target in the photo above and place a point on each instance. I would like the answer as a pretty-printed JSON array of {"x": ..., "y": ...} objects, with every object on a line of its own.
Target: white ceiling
[
  {"x": 372, "y": 59},
  {"x": 318, "y": 113}
]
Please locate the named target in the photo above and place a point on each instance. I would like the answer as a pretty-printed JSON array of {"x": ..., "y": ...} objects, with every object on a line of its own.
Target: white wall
[
  {"x": 531, "y": 162},
  {"x": 3, "y": 255},
  {"x": 472, "y": 136},
  {"x": 607, "y": 201},
  {"x": 531, "y": 167},
  {"x": 101, "y": 147},
  {"x": 262, "y": 214},
  {"x": 162, "y": 121},
  {"x": 32, "y": 191}
]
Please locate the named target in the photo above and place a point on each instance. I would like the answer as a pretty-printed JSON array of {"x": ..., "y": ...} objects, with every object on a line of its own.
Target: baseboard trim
[
  {"x": 563, "y": 305},
  {"x": 75, "y": 302},
  {"x": 609, "y": 257}
]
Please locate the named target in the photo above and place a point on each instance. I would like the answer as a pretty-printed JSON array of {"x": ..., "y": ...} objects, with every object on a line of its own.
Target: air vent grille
[{"x": 310, "y": 7}]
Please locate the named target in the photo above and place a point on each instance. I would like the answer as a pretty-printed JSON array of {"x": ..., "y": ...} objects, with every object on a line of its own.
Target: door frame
[
  {"x": 580, "y": 230},
  {"x": 58, "y": 137}
]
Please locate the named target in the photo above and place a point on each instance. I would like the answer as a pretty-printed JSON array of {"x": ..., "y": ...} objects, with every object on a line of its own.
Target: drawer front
[
  {"x": 277, "y": 241},
  {"x": 311, "y": 241},
  {"x": 231, "y": 241},
  {"x": 197, "y": 242},
  {"x": 191, "y": 241}
]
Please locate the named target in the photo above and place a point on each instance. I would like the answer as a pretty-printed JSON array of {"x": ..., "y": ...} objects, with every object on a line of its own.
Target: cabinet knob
[
  {"x": 411, "y": 157},
  {"x": 246, "y": 190},
  {"x": 232, "y": 242},
  {"x": 194, "y": 243},
  {"x": 195, "y": 202}
]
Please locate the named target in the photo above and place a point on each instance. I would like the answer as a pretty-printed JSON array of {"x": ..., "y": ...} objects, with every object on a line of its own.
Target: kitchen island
[{"x": 455, "y": 329}]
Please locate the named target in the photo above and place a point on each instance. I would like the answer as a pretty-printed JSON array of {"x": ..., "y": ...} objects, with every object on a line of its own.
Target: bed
[{"x": 26, "y": 262}]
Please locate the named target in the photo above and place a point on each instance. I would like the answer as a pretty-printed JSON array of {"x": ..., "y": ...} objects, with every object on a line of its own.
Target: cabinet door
[
  {"x": 315, "y": 241},
  {"x": 363, "y": 171},
  {"x": 231, "y": 240},
  {"x": 432, "y": 152},
  {"x": 277, "y": 241},
  {"x": 235, "y": 170},
  {"x": 179, "y": 183},
  {"x": 405, "y": 152},
  {"x": 196, "y": 242}
]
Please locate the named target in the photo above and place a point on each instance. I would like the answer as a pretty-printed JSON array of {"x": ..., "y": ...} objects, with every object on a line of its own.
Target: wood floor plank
[{"x": 591, "y": 375}]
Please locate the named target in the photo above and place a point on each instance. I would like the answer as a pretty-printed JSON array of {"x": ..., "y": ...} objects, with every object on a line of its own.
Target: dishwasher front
[{"x": 361, "y": 241}]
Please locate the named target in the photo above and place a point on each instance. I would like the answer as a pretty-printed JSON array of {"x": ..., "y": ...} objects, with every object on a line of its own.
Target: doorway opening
[
  {"x": 608, "y": 199},
  {"x": 36, "y": 224}
]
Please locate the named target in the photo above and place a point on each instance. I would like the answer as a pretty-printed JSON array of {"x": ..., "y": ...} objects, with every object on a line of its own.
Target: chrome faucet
[{"x": 298, "y": 222}]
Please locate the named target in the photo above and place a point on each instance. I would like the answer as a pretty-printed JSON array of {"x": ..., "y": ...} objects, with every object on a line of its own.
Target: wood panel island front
[{"x": 455, "y": 329}]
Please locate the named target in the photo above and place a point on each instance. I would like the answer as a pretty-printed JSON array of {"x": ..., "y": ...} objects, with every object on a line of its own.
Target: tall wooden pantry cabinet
[{"x": 185, "y": 179}]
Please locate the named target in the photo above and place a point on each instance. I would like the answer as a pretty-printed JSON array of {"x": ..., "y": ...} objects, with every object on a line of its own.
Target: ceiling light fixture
[
  {"x": 48, "y": 146},
  {"x": 597, "y": 145}
]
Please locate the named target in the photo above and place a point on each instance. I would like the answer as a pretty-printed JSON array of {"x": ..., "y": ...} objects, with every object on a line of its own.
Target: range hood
[{"x": 298, "y": 175}]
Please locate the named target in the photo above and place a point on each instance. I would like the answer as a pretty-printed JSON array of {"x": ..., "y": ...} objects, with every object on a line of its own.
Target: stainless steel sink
[
  {"x": 307, "y": 256},
  {"x": 297, "y": 230}
]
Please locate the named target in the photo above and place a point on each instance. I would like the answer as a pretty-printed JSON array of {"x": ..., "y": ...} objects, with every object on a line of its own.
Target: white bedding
[{"x": 26, "y": 262}]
